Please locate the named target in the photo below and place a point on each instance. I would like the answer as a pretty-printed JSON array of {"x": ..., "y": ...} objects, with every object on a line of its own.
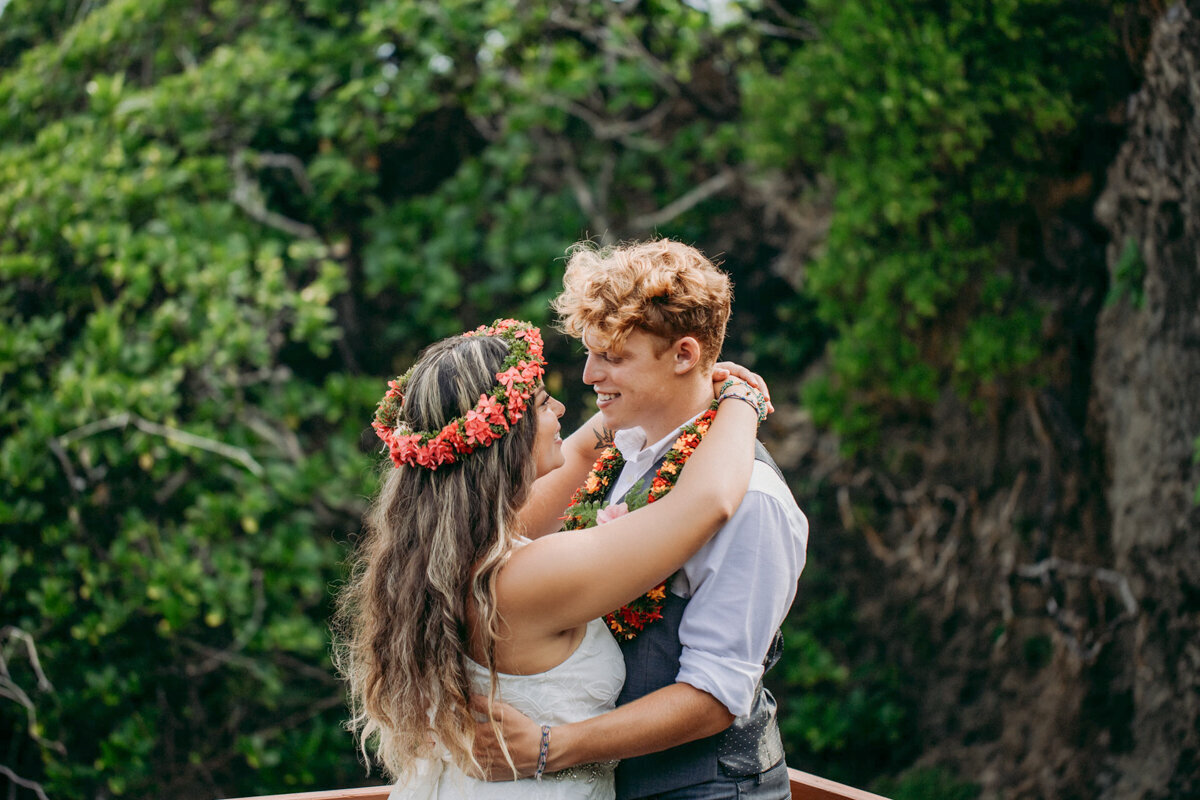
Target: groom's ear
[{"x": 685, "y": 354}]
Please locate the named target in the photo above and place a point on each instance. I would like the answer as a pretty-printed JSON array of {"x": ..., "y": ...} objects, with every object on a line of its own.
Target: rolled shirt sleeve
[{"x": 741, "y": 585}]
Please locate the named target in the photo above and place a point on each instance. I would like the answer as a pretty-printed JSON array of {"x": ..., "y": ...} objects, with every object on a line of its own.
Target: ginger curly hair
[{"x": 663, "y": 287}]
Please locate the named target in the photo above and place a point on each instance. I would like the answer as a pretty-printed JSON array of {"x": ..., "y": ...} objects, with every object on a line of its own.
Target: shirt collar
[{"x": 631, "y": 443}]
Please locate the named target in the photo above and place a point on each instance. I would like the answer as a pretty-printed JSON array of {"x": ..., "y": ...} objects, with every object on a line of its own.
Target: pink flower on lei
[{"x": 609, "y": 513}]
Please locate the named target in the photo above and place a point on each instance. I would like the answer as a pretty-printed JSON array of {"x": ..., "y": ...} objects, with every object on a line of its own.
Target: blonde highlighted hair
[
  {"x": 423, "y": 579},
  {"x": 662, "y": 287}
]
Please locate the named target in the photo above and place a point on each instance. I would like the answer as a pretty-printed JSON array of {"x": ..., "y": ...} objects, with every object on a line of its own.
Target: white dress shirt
[{"x": 741, "y": 583}]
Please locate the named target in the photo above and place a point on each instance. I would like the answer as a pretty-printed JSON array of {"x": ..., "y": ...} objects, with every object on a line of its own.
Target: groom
[{"x": 693, "y": 720}]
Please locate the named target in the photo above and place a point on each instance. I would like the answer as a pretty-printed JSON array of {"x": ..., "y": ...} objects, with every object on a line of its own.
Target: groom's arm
[
  {"x": 724, "y": 646},
  {"x": 671, "y": 716},
  {"x": 551, "y": 494}
]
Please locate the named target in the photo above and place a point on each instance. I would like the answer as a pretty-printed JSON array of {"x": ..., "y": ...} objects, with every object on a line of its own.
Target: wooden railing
[{"x": 804, "y": 787}]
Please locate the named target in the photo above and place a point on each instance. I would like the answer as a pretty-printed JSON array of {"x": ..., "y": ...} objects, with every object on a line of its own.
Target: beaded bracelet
[
  {"x": 758, "y": 400},
  {"x": 542, "y": 753},
  {"x": 735, "y": 381},
  {"x": 757, "y": 408}
]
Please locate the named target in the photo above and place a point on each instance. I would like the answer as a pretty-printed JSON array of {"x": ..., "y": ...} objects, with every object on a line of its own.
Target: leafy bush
[{"x": 935, "y": 122}]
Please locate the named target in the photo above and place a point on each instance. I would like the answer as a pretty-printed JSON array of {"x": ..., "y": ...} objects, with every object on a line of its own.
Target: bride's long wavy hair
[{"x": 433, "y": 542}]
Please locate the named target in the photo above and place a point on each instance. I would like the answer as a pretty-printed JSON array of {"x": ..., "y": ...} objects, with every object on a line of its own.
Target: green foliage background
[{"x": 225, "y": 224}]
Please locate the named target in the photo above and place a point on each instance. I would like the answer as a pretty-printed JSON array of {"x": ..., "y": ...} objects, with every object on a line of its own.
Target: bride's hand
[
  {"x": 523, "y": 735},
  {"x": 724, "y": 370}
]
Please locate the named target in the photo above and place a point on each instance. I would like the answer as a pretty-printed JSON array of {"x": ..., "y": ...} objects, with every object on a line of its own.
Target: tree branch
[
  {"x": 609, "y": 129},
  {"x": 22, "y": 782},
  {"x": 76, "y": 483},
  {"x": 289, "y": 162},
  {"x": 714, "y": 185},
  {"x": 286, "y": 440},
  {"x": 248, "y": 196},
  {"x": 1042, "y": 570},
  {"x": 1084, "y": 643},
  {"x": 605, "y": 37},
  {"x": 172, "y": 434},
  {"x": 11, "y": 632},
  {"x": 591, "y": 205},
  {"x": 10, "y": 690}
]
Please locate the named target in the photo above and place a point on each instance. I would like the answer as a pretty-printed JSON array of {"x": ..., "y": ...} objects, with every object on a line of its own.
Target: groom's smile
[{"x": 636, "y": 385}]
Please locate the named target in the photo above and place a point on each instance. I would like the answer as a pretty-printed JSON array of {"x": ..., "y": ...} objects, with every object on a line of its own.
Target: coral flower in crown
[{"x": 494, "y": 414}]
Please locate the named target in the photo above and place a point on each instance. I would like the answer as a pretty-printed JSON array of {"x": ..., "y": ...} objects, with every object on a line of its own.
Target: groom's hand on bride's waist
[{"x": 523, "y": 736}]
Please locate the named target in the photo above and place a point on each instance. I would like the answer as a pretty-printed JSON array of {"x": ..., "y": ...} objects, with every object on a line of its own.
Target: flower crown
[{"x": 493, "y": 415}]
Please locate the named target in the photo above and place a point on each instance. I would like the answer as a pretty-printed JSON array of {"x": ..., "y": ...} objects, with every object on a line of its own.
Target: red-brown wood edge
[
  {"x": 813, "y": 787},
  {"x": 804, "y": 787}
]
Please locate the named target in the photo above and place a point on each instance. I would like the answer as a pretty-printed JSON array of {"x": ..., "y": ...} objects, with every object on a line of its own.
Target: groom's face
[{"x": 632, "y": 385}]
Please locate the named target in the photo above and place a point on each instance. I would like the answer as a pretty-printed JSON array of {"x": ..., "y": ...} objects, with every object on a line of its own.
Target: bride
[{"x": 448, "y": 599}]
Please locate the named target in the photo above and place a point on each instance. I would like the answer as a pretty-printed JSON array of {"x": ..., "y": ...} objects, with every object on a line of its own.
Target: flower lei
[
  {"x": 493, "y": 415},
  {"x": 629, "y": 620}
]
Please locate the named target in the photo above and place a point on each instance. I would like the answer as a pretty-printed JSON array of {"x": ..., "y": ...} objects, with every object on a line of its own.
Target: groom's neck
[{"x": 692, "y": 398}]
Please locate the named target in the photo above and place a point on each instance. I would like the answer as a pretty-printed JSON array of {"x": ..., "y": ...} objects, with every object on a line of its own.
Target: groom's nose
[{"x": 592, "y": 373}]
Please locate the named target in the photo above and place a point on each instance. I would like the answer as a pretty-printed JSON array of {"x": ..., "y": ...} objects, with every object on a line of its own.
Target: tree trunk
[{"x": 1147, "y": 399}]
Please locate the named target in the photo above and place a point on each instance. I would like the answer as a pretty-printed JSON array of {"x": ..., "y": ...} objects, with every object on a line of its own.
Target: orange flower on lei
[{"x": 631, "y": 619}]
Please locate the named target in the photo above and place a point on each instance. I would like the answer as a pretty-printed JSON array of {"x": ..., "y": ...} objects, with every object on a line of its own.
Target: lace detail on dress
[{"x": 585, "y": 773}]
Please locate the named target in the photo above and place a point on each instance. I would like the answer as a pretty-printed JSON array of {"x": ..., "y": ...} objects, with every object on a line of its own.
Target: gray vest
[{"x": 747, "y": 747}]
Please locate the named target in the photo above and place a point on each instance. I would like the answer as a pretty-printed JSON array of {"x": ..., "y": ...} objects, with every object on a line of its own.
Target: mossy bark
[{"x": 1147, "y": 396}]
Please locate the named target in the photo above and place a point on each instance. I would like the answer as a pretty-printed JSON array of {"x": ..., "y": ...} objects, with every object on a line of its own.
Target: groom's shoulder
[
  {"x": 768, "y": 498},
  {"x": 767, "y": 478},
  {"x": 768, "y": 513},
  {"x": 767, "y": 487}
]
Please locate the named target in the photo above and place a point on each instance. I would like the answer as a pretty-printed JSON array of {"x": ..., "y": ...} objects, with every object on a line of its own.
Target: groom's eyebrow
[{"x": 601, "y": 348}]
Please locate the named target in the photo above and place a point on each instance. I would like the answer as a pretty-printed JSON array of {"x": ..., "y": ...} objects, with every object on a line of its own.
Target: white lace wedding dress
[{"x": 582, "y": 686}]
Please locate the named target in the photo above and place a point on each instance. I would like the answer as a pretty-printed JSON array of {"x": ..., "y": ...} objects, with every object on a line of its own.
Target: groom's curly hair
[{"x": 662, "y": 287}]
